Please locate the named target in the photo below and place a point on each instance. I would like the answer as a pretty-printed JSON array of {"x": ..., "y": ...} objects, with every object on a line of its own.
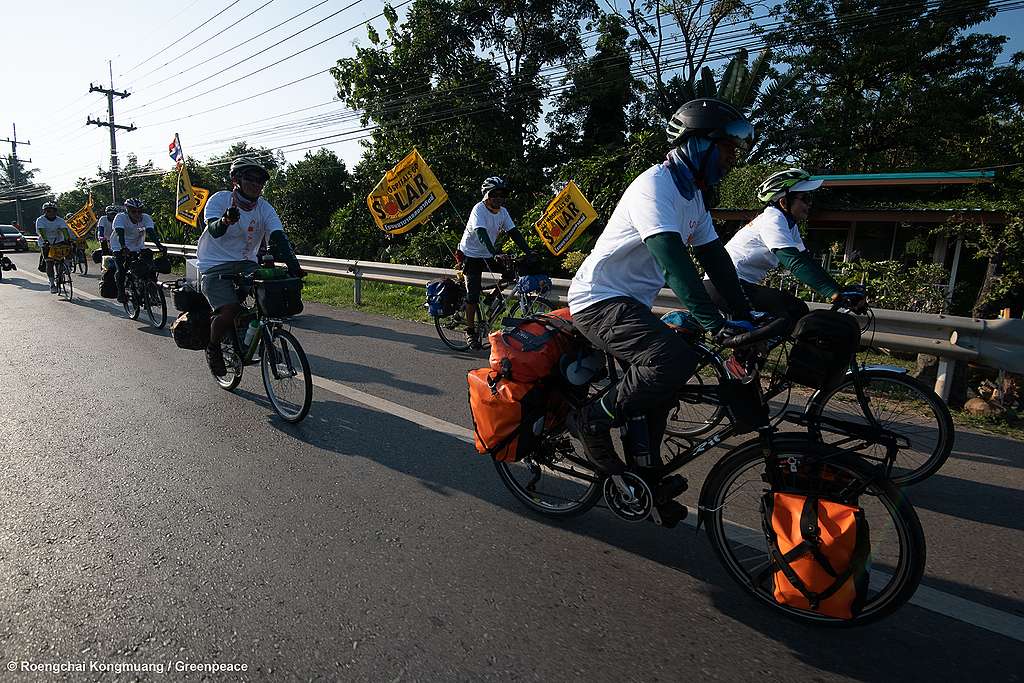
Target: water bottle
[
  {"x": 636, "y": 441},
  {"x": 250, "y": 332}
]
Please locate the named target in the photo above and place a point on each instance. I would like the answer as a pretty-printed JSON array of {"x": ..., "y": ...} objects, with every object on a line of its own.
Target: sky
[{"x": 54, "y": 50}]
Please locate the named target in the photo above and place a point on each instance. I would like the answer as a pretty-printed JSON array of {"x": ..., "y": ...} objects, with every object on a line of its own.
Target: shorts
[
  {"x": 473, "y": 269},
  {"x": 220, "y": 291}
]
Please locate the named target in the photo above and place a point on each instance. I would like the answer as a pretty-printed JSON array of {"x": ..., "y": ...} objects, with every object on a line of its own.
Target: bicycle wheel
[
  {"x": 730, "y": 505},
  {"x": 131, "y": 305},
  {"x": 452, "y": 330},
  {"x": 901, "y": 404},
  {"x": 64, "y": 285},
  {"x": 691, "y": 416},
  {"x": 233, "y": 363},
  {"x": 155, "y": 303},
  {"x": 556, "y": 481},
  {"x": 286, "y": 376}
]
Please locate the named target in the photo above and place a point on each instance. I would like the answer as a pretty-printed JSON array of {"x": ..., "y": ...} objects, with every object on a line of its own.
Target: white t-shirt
[
  {"x": 52, "y": 231},
  {"x": 134, "y": 233},
  {"x": 104, "y": 226},
  {"x": 242, "y": 240},
  {"x": 493, "y": 223},
  {"x": 620, "y": 264},
  {"x": 751, "y": 247}
]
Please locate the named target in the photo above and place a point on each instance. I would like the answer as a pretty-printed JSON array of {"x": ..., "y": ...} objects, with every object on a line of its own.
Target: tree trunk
[{"x": 981, "y": 303}]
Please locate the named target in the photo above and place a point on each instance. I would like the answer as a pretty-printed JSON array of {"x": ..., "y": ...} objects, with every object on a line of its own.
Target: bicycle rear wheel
[
  {"x": 286, "y": 376},
  {"x": 452, "y": 330},
  {"x": 155, "y": 303},
  {"x": 64, "y": 285},
  {"x": 901, "y": 404},
  {"x": 132, "y": 296},
  {"x": 232, "y": 361},
  {"x": 730, "y": 504},
  {"x": 556, "y": 481}
]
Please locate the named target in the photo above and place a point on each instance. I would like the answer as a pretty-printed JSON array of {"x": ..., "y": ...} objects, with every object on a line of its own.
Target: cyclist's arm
[
  {"x": 719, "y": 266},
  {"x": 673, "y": 258},
  {"x": 485, "y": 239},
  {"x": 154, "y": 237},
  {"x": 807, "y": 270},
  {"x": 282, "y": 250},
  {"x": 120, "y": 237},
  {"x": 518, "y": 238}
]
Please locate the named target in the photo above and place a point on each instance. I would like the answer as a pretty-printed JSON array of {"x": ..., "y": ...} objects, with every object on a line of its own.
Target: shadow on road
[
  {"x": 23, "y": 282},
  {"x": 327, "y": 325},
  {"x": 885, "y": 651},
  {"x": 342, "y": 371}
]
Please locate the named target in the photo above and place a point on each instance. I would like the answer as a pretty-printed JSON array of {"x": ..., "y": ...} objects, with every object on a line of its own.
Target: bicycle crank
[{"x": 628, "y": 496}]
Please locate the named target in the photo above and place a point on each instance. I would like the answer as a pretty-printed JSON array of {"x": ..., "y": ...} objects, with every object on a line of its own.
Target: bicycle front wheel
[
  {"x": 155, "y": 303},
  {"x": 731, "y": 503},
  {"x": 286, "y": 376},
  {"x": 132, "y": 296},
  {"x": 901, "y": 404},
  {"x": 64, "y": 284},
  {"x": 698, "y": 411}
]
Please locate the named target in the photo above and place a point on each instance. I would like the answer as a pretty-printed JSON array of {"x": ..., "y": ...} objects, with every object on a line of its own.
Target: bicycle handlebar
[{"x": 775, "y": 328}]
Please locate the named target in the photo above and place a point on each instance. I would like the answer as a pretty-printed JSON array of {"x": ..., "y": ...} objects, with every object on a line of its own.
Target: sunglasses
[
  {"x": 499, "y": 195},
  {"x": 254, "y": 178}
]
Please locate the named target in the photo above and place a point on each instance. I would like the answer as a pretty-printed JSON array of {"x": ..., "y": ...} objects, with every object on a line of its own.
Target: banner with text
[
  {"x": 81, "y": 223},
  {"x": 406, "y": 196},
  {"x": 191, "y": 200},
  {"x": 565, "y": 219}
]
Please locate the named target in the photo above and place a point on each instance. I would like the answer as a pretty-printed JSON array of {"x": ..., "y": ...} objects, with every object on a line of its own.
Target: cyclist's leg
[
  {"x": 120, "y": 272},
  {"x": 775, "y": 302},
  {"x": 219, "y": 290},
  {"x": 659, "y": 363},
  {"x": 473, "y": 268}
]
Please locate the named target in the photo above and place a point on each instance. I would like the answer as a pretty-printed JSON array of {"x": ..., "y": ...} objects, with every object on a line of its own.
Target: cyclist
[
  {"x": 488, "y": 219},
  {"x": 130, "y": 230},
  {"x": 773, "y": 238},
  {"x": 105, "y": 228},
  {"x": 237, "y": 221},
  {"x": 51, "y": 229},
  {"x": 647, "y": 242}
]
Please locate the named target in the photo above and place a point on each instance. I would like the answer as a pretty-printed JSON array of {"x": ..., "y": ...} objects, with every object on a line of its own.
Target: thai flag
[{"x": 174, "y": 150}]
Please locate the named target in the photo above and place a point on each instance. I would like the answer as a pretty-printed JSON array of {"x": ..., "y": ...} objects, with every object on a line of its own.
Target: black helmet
[
  {"x": 711, "y": 119},
  {"x": 248, "y": 164},
  {"x": 493, "y": 183}
]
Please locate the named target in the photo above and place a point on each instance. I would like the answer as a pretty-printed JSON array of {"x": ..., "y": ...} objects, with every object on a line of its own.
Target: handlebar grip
[{"x": 775, "y": 328}]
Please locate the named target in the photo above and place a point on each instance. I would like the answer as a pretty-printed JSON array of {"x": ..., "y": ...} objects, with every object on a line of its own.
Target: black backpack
[{"x": 826, "y": 342}]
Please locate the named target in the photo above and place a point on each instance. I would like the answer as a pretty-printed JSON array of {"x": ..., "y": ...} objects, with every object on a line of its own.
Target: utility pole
[
  {"x": 14, "y": 171},
  {"x": 109, "y": 123}
]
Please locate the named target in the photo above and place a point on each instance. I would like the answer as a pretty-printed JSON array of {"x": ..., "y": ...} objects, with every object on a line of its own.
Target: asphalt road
[{"x": 148, "y": 518}]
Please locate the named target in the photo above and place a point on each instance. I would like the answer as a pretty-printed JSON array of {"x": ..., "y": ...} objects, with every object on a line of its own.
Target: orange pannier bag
[
  {"x": 508, "y": 416},
  {"x": 820, "y": 553},
  {"x": 530, "y": 350}
]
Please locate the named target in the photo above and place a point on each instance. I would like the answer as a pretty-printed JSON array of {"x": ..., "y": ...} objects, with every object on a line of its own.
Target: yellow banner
[
  {"x": 406, "y": 196},
  {"x": 81, "y": 223},
  {"x": 565, "y": 219},
  {"x": 191, "y": 200}
]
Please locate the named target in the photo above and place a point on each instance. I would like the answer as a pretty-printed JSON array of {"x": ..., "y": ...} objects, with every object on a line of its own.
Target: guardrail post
[
  {"x": 358, "y": 288},
  {"x": 944, "y": 378}
]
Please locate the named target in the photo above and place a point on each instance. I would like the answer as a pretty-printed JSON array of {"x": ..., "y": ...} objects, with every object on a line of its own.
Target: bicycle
[
  {"x": 58, "y": 254},
  {"x": 142, "y": 289},
  {"x": 79, "y": 261},
  {"x": 557, "y": 481},
  {"x": 880, "y": 399},
  {"x": 283, "y": 364},
  {"x": 521, "y": 302}
]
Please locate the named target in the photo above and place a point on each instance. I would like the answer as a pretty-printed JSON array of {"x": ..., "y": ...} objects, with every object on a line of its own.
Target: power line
[{"x": 184, "y": 35}]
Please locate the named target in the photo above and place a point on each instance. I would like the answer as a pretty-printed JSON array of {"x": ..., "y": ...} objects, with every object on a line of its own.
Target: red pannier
[{"x": 530, "y": 350}]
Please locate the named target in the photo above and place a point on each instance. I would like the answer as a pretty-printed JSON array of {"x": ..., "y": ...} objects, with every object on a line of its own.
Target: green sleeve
[
  {"x": 281, "y": 248},
  {"x": 519, "y": 239},
  {"x": 216, "y": 228},
  {"x": 673, "y": 258},
  {"x": 481, "y": 233},
  {"x": 152, "y": 234},
  {"x": 120, "y": 235},
  {"x": 807, "y": 271},
  {"x": 719, "y": 266}
]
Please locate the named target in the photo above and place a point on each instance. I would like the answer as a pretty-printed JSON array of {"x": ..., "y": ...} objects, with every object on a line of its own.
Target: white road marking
[{"x": 931, "y": 599}]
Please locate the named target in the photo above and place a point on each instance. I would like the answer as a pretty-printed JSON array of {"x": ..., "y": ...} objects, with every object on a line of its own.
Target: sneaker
[
  {"x": 593, "y": 429},
  {"x": 473, "y": 339},
  {"x": 215, "y": 359},
  {"x": 53, "y": 289},
  {"x": 122, "y": 298}
]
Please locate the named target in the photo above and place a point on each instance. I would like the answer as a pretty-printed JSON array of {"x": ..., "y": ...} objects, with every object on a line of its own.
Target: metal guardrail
[{"x": 992, "y": 343}]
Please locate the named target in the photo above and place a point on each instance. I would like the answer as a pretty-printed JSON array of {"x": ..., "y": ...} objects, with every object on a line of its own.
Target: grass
[
  {"x": 396, "y": 301},
  {"x": 1009, "y": 424}
]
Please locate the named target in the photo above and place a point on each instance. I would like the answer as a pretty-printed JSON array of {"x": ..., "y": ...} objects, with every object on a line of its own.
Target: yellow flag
[
  {"x": 81, "y": 223},
  {"x": 191, "y": 200},
  {"x": 406, "y": 196},
  {"x": 565, "y": 219}
]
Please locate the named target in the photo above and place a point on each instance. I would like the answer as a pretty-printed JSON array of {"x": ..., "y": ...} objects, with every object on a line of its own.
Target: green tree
[
  {"x": 219, "y": 165},
  {"x": 887, "y": 87},
  {"x": 307, "y": 193}
]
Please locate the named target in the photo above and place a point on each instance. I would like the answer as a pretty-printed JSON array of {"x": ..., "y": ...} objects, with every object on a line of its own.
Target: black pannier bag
[
  {"x": 187, "y": 299},
  {"x": 142, "y": 265},
  {"x": 108, "y": 284},
  {"x": 191, "y": 330},
  {"x": 162, "y": 264},
  {"x": 280, "y": 298},
  {"x": 826, "y": 342}
]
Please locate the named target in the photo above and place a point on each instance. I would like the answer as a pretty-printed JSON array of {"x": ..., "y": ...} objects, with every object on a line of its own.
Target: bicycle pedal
[
  {"x": 670, "y": 487},
  {"x": 669, "y": 514}
]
